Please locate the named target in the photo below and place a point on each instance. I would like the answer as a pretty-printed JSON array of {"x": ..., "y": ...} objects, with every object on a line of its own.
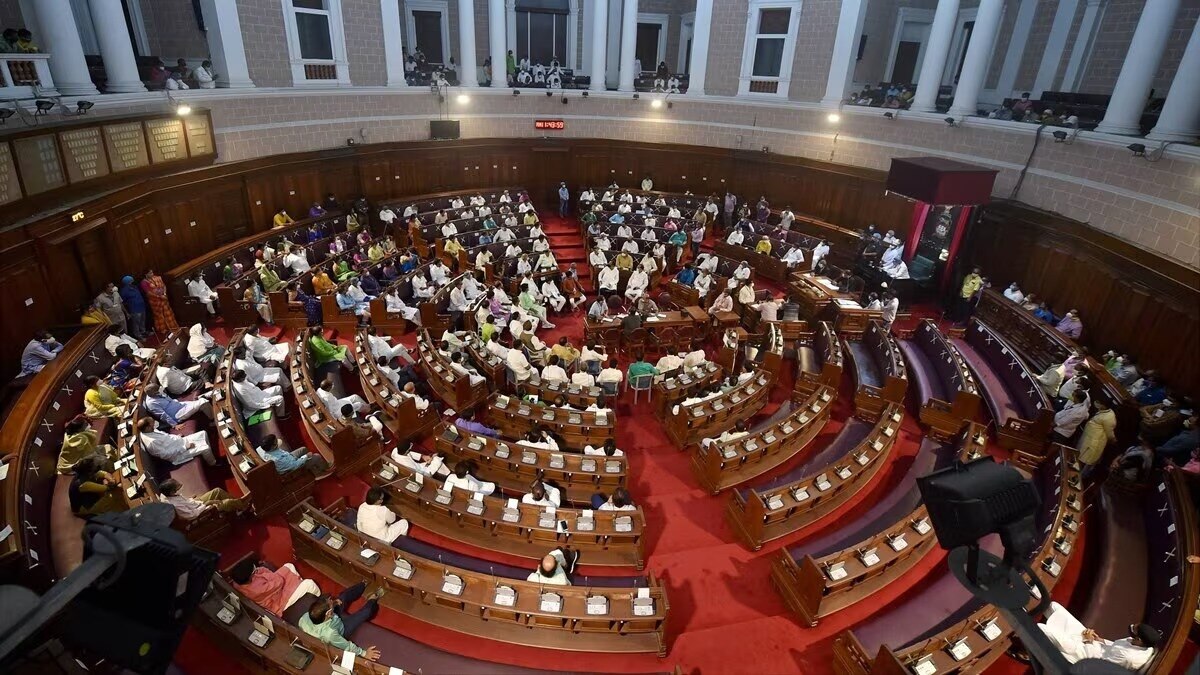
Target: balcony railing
[{"x": 25, "y": 76}]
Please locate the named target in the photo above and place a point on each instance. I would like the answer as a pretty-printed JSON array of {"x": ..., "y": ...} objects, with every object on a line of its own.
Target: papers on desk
[{"x": 848, "y": 304}]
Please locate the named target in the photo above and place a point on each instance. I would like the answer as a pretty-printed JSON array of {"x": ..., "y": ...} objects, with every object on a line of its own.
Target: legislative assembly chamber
[{"x": 523, "y": 337}]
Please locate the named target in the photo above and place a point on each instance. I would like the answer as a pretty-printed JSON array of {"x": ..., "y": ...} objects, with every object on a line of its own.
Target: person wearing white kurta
[
  {"x": 554, "y": 372},
  {"x": 735, "y": 237},
  {"x": 198, "y": 288},
  {"x": 609, "y": 279},
  {"x": 636, "y": 287},
  {"x": 254, "y": 399},
  {"x": 708, "y": 263},
  {"x": 263, "y": 349},
  {"x": 505, "y": 234},
  {"x": 794, "y": 256},
  {"x": 597, "y": 258},
  {"x": 694, "y": 358},
  {"x": 257, "y": 374},
  {"x": 395, "y": 305},
  {"x": 449, "y": 230},
  {"x": 583, "y": 378},
  {"x": 624, "y": 231},
  {"x": 173, "y": 448},
  {"x": 518, "y": 364},
  {"x": 819, "y": 252},
  {"x": 380, "y": 522},
  {"x": 201, "y": 345},
  {"x": 631, "y": 246},
  {"x": 297, "y": 260},
  {"x": 467, "y": 482},
  {"x": 1013, "y": 292},
  {"x": 546, "y": 262},
  {"x": 552, "y": 571},
  {"x": 334, "y": 404},
  {"x": 742, "y": 273},
  {"x": 553, "y": 296},
  {"x": 174, "y": 380},
  {"x": 482, "y": 259},
  {"x": 890, "y": 307},
  {"x": 115, "y": 340},
  {"x": 702, "y": 283},
  {"x": 380, "y": 348},
  {"x": 439, "y": 274},
  {"x": 435, "y": 467},
  {"x": 420, "y": 287},
  {"x": 891, "y": 255},
  {"x": 1077, "y": 643}
]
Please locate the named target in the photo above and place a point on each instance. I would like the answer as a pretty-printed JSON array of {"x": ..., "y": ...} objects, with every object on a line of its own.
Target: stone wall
[
  {"x": 264, "y": 35},
  {"x": 173, "y": 31}
]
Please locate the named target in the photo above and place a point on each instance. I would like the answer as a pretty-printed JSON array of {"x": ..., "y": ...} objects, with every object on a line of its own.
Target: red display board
[
  {"x": 549, "y": 125},
  {"x": 938, "y": 181}
]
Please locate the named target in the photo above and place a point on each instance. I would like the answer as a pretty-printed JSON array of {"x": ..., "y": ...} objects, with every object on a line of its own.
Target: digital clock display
[{"x": 550, "y": 125}]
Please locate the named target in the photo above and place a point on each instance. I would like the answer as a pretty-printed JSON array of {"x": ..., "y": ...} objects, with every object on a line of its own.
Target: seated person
[
  {"x": 738, "y": 431},
  {"x": 80, "y": 441},
  {"x": 640, "y": 368},
  {"x": 463, "y": 479},
  {"x": 174, "y": 448},
  {"x": 334, "y": 404},
  {"x": 541, "y": 494},
  {"x": 609, "y": 449},
  {"x": 1135, "y": 463},
  {"x": 254, "y": 399},
  {"x": 553, "y": 372},
  {"x": 466, "y": 420},
  {"x": 375, "y": 519},
  {"x": 554, "y": 568},
  {"x": 100, "y": 399},
  {"x": 409, "y": 456},
  {"x": 270, "y": 450},
  {"x": 330, "y": 621},
  {"x": 273, "y": 590},
  {"x": 1077, "y": 642},
  {"x": 565, "y": 351},
  {"x": 94, "y": 491},
  {"x": 618, "y": 501},
  {"x": 611, "y": 375},
  {"x": 171, "y": 412},
  {"x": 188, "y": 508}
]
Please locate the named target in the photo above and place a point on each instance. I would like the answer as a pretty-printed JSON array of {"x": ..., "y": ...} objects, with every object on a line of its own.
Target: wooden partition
[
  {"x": 463, "y": 600},
  {"x": 882, "y": 350},
  {"x": 577, "y": 428},
  {"x": 401, "y": 415},
  {"x": 333, "y": 438},
  {"x": 453, "y": 388},
  {"x": 946, "y": 417},
  {"x": 709, "y": 418}
]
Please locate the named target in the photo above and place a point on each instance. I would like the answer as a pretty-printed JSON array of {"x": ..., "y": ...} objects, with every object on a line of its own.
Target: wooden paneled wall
[
  {"x": 51, "y": 266},
  {"x": 1129, "y": 299}
]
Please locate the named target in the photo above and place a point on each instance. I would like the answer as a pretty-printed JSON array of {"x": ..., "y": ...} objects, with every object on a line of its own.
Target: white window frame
[
  {"x": 664, "y": 23},
  {"x": 687, "y": 31},
  {"x": 909, "y": 15},
  {"x": 337, "y": 40},
  {"x": 751, "y": 43},
  {"x": 442, "y": 7}
]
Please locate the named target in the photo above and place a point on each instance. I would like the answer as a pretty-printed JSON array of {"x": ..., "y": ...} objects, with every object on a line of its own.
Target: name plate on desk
[
  {"x": 776, "y": 502},
  {"x": 769, "y": 438},
  {"x": 374, "y": 381},
  {"x": 823, "y": 483},
  {"x": 335, "y": 542},
  {"x": 888, "y": 431},
  {"x": 924, "y": 667},
  {"x": 597, "y": 605},
  {"x": 787, "y": 428},
  {"x": 869, "y": 557},
  {"x": 877, "y": 444},
  {"x": 736, "y": 398},
  {"x": 387, "y": 472},
  {"x": 369, "y": 556},
  {"x": 623, "y": 524},
  {"x": 843, "y": 472},
  {"x": 895, "y": 418},
  {"x": 403, "y": 569},
  {"x": 897, "y": 543},
  {"x": 1051, "y": 566},
  {"x": 226, "y": 432},
  {"x": 315, "y": 417},
  {"x": 414, "y": 485},
  {"x": 307, "y": 524},
  {"x": 921, "y": 526},
  {"x": 612, "y": 466},
  {"x": 475, "y": 507},
  {"x": 863, "y": 459},
  {"x": 586, "y": 522},
  {"x": 728, "y": 452},
  {"x": 510, "y": 515},
  {"x": 643, "y": 604},
  {"x": 698, "y": 411},
  {"x": 959, "y": 650},
  {"x": 443, "y": 497},
  {"x": 990, "y": 630},
  {"x": 475, "y": 443},
  {"x": 800, "y": 494},
  {"x": 505, "y": 596},
  {"x": 574, "y": 419},
  {"x": 587, "y": 465},
  {"x": 244, "y": 466},
  {"x": 307, "y": 403},
  {"x": 557, "y": 462},
  {"x": 452, "y": 584},
  {"x": 548, "y": 416},
  {"x": 550, "y": 602},
  {"x": 1063, "y": 546},
  {"x": 804, "y": 418},
  {"x": 502, "y": 451},
  {"x": 836, "y": 571},
  {"x": 751, "y": 446},
  {"x": 528, "y": 457}
]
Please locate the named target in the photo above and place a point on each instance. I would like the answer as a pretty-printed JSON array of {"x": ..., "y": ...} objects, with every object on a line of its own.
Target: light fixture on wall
[
  {"x": 636, "y": 96},
  {"x": 950, "y": 121},
  {"x": 463, "y": 99},
  {"x": 656, "y": 103},
  {"x": 1061, "y": 136},
  {"x": 82, "y": 107},
  {"x": 516, "y": 92},
  {"x": 549, "y": 94},
  {"x": 1139, "y": 150},
  {"x": 565, "y": 100},
  {"x": 833, "y": 118},
  {"x": 43, "y": 107},
  {"x": 183, "y": 109},
  {"x": 6, "y": 113},
  {"x": 891, "y": 115},
  {"x": 585, "y": 94}
]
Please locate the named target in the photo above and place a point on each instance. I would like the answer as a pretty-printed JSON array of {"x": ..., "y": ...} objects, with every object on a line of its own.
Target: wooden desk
[
  {"x": 709, "y": 418},
  {"x": 945, "y": 418},
  {"x": 596, "y": 330},
  {"x": 455, "y": 389},
  {"x": 515, "y": 418},
  {"x": 333, "y": 438},
  {"x": 402, "y": 417},
  {"x": 473, "y": 610},
  {"x": 671, "y": 390},
  {"x": 870, "y": 400}
]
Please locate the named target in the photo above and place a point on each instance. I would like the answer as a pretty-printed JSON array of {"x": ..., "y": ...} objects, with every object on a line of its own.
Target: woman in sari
[
  {"x": 310, "y": 305},
  {"x": 101, "y": 400},
  {"x": 231, "y": 271},
  {"x": 126, "y": 369},
  {"x": 322, "y": 284},
  {"x": 337, "y": 246},
  {"x": 270, "y": 280},
  {"x": 323, "y": 351},
  {"x": 342, "y": 271},
  {"x": 156, "y": 294},
  {"x": 94, "y": 316},
  {"x": 258, "y": 300}
]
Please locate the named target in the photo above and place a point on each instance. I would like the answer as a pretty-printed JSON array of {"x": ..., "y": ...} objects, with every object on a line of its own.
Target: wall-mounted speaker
[{"x": 441, "y": 130}]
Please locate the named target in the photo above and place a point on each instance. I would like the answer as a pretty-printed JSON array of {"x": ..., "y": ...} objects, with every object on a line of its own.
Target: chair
[
  {"x": 639, "y": 384},
  {"x": 636, "y": 341},
  {"x": 610, "y": 388}
]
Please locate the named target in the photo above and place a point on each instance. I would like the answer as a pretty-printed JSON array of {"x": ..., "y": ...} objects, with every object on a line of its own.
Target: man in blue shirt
[
  {"x": 171, "y": 412},
  {"x": 564, "y": 200},
  {"x": 687, "y": 275},
  {"x": 41, "y": 350},
  {"x": 617, "y": 218},
  {"x": 285, "y": 460},
  {"x": 1182, "y": 444},
  {"x": 135, "y": 306}
]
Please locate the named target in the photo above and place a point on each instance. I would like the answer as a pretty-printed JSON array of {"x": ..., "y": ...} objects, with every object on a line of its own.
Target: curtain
[
  {"x": 920, "y": 213},
  {"x": 960, "y": 229}
]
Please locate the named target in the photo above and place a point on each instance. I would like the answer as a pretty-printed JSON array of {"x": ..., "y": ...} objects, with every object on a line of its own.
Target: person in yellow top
[
  {"x": 94, "y": 316},
  {"x": 970, "y": 286},
  {"x": 531, "y": 218},
  {"x": 282, "y": 219},
  {"x": 565, "y": 351},
  {"x": 322, "y": 284},
  {"x": 101, "y": 400},
  {"x": 763, "y": 246},
  {"x": 1098, "y": 432},
  {"x": 79, "y": 441},
  {"x": 375, "y": 252},
  {"x": 452, "y": 248},
  {"x": 624, "y": 261}
]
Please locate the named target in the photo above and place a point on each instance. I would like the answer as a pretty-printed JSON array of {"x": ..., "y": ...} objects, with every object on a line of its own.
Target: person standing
[
  {"x": 155, "y": 291},
  {"x": 1098, "y": 432},
  {"x": 135, "y": 307},
  {"x": 109, "y": 302},
  {"x": 564, "y": 200},
  {"x": 971, "y": 285}
]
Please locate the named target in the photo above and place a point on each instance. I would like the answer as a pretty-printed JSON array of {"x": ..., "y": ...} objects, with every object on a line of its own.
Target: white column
[
  {"x": 701, "y": 31},
  {"x": 599, "y": 44},
  {"x": 571, "y": 58},
  {"x": 1093, "y": 11},
  {"x": 224, "y": 30},
  {"x": 1129, "y": 96},
  {"x": 59, "y": 37},
  {"x": 467, "y": 63},
  {"x": 498, "y": 43},
  {"x": 845, "y": 48},
  {"x": 116, "y": 49},
  {"x": 628, "y": 45},
  {"x": 936, "y": 52},
  {"x": 979, "y": 53},
  {"x": 1180, "y": 117},
  {"x": 1064, "y": 16},
  {"x": 612, "y": 70},
  {"x": 510, "y": 20},
  {"x": 1016, "y": 48}
]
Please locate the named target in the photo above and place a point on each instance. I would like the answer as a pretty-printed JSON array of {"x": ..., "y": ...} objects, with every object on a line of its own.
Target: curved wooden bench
[
  {"x": 671, "y": 390},
  {"x": 577, "y": 428},
  {"x": 815, "y": 587},
  {"x": 333, "y": 438},
  {"x": 455, "y": 389},
  {"x": 270, "y": 492},
  {"x": 760, "y": 515},
  {"x": 396, "y": 324},
  {"x": 820, "y": 359},
  {"x": 548, "y": 392},
  {"x": 709, "y": 418},
  {"x": 513, "y": 465},
  {"x": 881, "y": 372},
  {"x": 402, "y": 417},
  {"x": 975, "y": 630},
  {"x": 775, "y": 442},
  {"x": 947, "y": 392},
  {"x": 473, "y": 609}
]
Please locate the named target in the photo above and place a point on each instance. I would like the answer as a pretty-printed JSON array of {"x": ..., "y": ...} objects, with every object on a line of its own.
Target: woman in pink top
[{"x": 273, "y": 590}]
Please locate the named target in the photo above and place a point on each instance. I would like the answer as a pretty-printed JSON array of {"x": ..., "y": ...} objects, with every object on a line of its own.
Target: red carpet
[{"x": 724, "y": 615}]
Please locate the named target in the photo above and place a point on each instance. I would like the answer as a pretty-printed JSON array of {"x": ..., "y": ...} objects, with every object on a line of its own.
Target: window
[
  {"x": 542, "y": 31},
  {"x": 770, "y": 44},
  {"x": 316, "y": 43}
]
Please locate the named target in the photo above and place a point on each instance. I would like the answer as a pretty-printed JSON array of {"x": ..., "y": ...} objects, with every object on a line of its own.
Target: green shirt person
[
  {"x": 640, "y": 368},
  {"x": 323, "y": 351},
  {"x": 330, "y": 621}
]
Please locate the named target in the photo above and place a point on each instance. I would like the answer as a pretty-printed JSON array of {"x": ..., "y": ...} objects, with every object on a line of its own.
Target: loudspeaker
[{"x": 440, "y": 130}]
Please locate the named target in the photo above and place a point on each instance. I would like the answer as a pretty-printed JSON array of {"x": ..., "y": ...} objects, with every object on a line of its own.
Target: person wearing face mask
[{"x": 1098, "y": 432}]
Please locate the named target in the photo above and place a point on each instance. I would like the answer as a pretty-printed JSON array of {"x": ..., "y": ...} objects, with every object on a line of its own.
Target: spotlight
[
  {"x": 833, "y": 118},
  {"x": 951, "y": 121},
  {"x": 967, "y": 502},
  {"x": 1060, "y": 136},
  {"x": 463, "y": 99},
  {"x": 6, "y": 113},
  {"x": 43, "y": 107},
  {"x": 890, "y": 116},
  {"x": 1138, "y": 149},
  {"x": 636, "y": 96},
  {"x": 585, "y": 94},
  {"x": 516, "y": 92},
  {"x": 183, "y": 109},
  {"x": 564, "y": 99},
  {"x": 83, "y": 106},
  {"x": 549, "y": 94},
  {"x": 350, "y": 142},
  {"x": 656, "y": 103}
]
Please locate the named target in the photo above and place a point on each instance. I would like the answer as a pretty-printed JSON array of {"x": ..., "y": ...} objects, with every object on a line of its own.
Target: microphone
[
  {"x": 492, "y": 571},
  {"x": 587, "y": 587},
  {"x": 445, "y": 572}
]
